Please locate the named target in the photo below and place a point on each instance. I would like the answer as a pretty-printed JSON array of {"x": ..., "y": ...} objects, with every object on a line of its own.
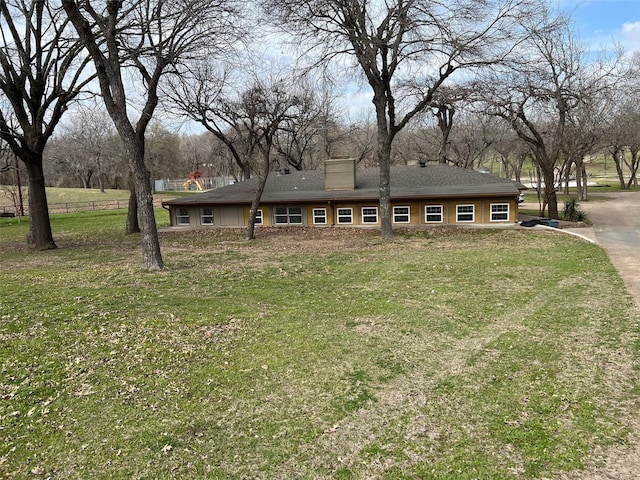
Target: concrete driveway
[{"x": 616, "y": 225}]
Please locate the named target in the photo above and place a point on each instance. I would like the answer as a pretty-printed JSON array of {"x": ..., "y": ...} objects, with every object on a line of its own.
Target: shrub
[{"x": 572, "y": 212}]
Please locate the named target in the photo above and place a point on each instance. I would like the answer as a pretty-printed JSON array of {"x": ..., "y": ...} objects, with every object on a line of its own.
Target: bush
[{"x": 572, "y": 212}]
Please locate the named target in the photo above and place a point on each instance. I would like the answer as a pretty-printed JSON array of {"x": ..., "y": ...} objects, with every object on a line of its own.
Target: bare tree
[
  {"x": 10, "y": 180},
  {"x": 206, "y": 95},
  {"x": 296, "y": 135},
  {"x": 584, "y": 134},
  {"x": 42, "y": 70},
  {"x": 511, "y": 151},
  {"x": 406, "y": 50},
  {"x": 150, "y": 38},
  {"x": 247, "y": 123},
  {"x": 82, "y": 148},
  {"x": 622, "y": 136},
  {"x": 446, "y": 102},
  {"x": 539, "y": 94},
  {"x": 471, "y": 140},
  {"x": 163, "y": 152}
]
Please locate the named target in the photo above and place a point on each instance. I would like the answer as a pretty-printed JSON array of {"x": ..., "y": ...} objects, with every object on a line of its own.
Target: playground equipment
[{"x": 195, "y": 181}]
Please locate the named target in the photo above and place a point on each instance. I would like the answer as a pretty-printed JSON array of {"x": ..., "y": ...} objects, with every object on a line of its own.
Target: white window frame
[
  {"x": 340, "y": 216},
  {"x": 206, "y": 219},
  {"x": 258, "y": 220},
  {"x": 288, "y": 215},
  {"x": 500, "y": 212},
  {"x": 319, "y": 216},
  {"x": 396, "y": 215},
  {"x": 459, "y": 213},
  {"x": 370, "y": 217},
  {"x": 180, "y": 216},
  {"x": 427, "y": 214}
]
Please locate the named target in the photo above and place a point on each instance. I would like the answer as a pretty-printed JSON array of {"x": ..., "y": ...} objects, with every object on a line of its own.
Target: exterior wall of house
[{"x": 495, "y": 210}]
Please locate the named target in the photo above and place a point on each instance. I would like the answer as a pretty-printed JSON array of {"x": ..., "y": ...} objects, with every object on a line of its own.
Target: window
[
  {"x": 319, "y": 216},
  {"x": 499, "y": 212},
  {"x": 288, "y": 215},
  {"x": 464, "y": 213},
  {"x": 370, "y": 215},
  {"x": 182, "y": 216},
  {"x": 401, "y": 215},
  {"x": 258, "y": 217},
  {"x": 206, "y": 216},
  {"x": 433, "y": 214},
  {"x": 345, "y": 215}
]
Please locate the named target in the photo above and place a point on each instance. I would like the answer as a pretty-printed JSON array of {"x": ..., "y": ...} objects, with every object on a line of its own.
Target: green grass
[
  {"x": 441, "y": 355},
  {"x": 63, "y": 195},
  {"x": 57, "y": 198},
  {"x": 85, "y": 227}
]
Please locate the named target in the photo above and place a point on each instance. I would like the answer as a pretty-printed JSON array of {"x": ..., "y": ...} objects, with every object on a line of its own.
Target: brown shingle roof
[{"x": 407, "y": 182}]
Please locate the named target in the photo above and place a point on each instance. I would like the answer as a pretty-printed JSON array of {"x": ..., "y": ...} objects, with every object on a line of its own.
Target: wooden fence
[{"x": 73, "y": 207}]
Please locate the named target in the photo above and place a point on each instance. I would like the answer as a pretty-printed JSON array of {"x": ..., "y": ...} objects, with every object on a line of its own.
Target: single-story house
[{"x": 341, "y": 195}]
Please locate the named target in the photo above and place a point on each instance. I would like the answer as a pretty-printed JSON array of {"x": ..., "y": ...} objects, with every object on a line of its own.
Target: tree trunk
[
  {"x": 40, "y": 236},
  {"x": 85, "y": 181},
  {"x": 385, "y": 201},
  {"x": 18, "y": 181},
  {"x": 132, "y": 225},
  {"x": 567, "y": 175},
  {"x": 618, "y": 163},
  {"x": 633, "y": 168},
  {"x": 579, "y": 177},
  {"x": 151, "y": 256},
  {"x": 251, "y": 226},
  {"x": 384, "y": 160},
  {"x": 262, "y": 181},
  {"x": 100, "y": 174},
  {"x": 551, "y": 198},
  {"x": 445, "y": 124}
]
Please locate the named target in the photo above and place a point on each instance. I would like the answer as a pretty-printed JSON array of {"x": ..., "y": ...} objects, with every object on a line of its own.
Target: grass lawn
[
  {"x": 63, "y": 195},
  {"x": 448, "y": 354},
  {"x": 59, "y": 197}
]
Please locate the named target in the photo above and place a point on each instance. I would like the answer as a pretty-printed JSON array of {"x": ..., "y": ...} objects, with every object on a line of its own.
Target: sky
[{"x": 600, "y": 22}]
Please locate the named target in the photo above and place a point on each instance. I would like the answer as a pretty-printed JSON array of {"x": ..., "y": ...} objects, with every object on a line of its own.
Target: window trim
[
  {"x": 363, "y": 215},
  {"x": 259, "y": 217},
  {"x": 203, "y": 216},
  {"x": 473, "y": 213},
  {"x": 408, "y": 214},
  {"x": 441, "y": 214},
  {"x": 180, "y": 218},
  {"x": 316, "y": 216},
  {"x": 338, "y": 215},
  {"x": 507, "y": 212}
]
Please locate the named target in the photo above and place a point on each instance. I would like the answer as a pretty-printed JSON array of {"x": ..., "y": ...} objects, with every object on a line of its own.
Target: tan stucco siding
[
  {"x": 312, "y": 218},
  {"x": 266, "y": 216},
  {"x": 414, "y": 213},
  {"x": 496, "y": 204},
  {"x": 458, "y": 211}
]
